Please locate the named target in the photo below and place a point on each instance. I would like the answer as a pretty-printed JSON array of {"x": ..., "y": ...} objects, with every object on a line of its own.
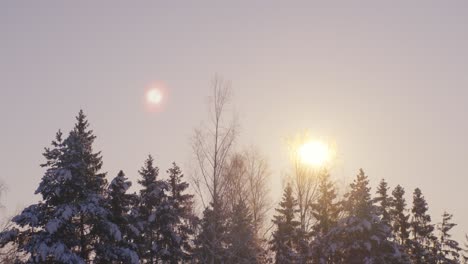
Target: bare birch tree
[
  {"x": 305, "y": 180},
  {"x": 235, "y": 181},
  {"x": 247, "y": 179},
  {"x": 257, "y": 181},
  {"x": 212, "y": 143}
]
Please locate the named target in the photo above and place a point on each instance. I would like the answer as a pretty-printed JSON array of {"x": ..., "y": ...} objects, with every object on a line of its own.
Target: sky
[{"x": 386, "y": 82}]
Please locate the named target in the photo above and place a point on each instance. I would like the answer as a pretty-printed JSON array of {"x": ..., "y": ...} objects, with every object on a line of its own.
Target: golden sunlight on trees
[{"x": 310, "y": 158}]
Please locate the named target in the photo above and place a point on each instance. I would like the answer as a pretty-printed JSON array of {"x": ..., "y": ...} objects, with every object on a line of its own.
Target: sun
[
  {"x": 314, "y": 153},
  {"x": 154, "y": 96}
]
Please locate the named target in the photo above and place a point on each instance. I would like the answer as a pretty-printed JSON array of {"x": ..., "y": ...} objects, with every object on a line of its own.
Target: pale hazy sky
[{"x": 387, "y": 82}]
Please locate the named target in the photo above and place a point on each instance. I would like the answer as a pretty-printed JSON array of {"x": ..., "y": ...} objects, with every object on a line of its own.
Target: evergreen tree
[
  {"x": 150, "y": 213},
  {"x": 423, "y": 241},
  {"x": 178, "y": 219},
  {"x": 465, "y": 250},
  {"x": 361, "y": 237},
  {"x": 284, "y": 238},
  {"x": 211, "y": 239},
  {"x": 383, "y": 201},
  {"x": 325, "y": 211},
  {"x": 400, "y": 220},
  {"x": 120, "y": 204},
  {"x": 449, "y": 248},
  {"x": 242, "y": 246},
  {"x": 71, "y": 222}
]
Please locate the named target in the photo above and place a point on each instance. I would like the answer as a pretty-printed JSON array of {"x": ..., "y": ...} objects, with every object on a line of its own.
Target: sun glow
[
  {"x": 314, "y": 153},
  {"x": 154, "y": 96}
]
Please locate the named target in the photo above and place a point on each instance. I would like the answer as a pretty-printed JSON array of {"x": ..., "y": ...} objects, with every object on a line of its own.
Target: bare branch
[{"x": 212, "y": 143}]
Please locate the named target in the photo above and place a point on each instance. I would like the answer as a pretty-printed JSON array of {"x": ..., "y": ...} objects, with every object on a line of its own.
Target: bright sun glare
[
  {"x": 314, "y": 153},
  {"x": 154, "y": 96}
]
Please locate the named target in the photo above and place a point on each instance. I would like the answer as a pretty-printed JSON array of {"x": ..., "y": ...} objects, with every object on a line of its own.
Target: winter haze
[{"x": 386, "y": 82}]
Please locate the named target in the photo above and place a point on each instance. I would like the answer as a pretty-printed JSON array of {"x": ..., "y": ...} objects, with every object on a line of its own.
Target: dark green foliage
[
  {"x": 465, "y": 250},
  {"x": 399, "y": 218},
  {"x": 284, "y": 238},
  {"x": 449, "y": 249},
  {"x": 149, "y": 212},
  {"x": 423, "y": 242},
  {"x": 178, "y": 219},
  {"x": 383, "y": 201},
  {"x": 71, "y": 222},
  {"x": 81, "y": 219},
  {"x": 361, "y": 237},
  {"x": 325, "y": 211},
  {"x": 242, "y": 247},
  {"x": 211, "y": 240},
  {"x": 120, "y": 204}
]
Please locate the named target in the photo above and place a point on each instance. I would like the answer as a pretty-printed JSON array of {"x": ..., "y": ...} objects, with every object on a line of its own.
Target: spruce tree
[
  {"x": 211, "y": 239},
  {"x": 399, "y": 219},
  {"x": 325, "y": 210},
  {"x": 465, "y": 250},
  {"x": 178, "y": 219},
  {"x": 449, "y": 249},
  {"x": 242, "y": 246},
  {"x": 284, "y": 238},
  {"x": 383, "y": 201},
  {"x": 423, "y": 241},
  {"x": 71, "y": 222},
  {"x": 150, "y": 211},
  {"x": 361, "y": 237},
  {"x": 120, "y": 204}
]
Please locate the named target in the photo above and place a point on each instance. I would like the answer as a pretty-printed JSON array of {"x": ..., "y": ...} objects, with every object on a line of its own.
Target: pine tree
[
  {"x": 242, "y": 245},
  {"x": 150, "y": 211},
  {"x": 284, "y": 238},
  {"x": 465, "y": 250},
  {"x": 70, "y": 224},
  {"x": 120, "y": 204},
  {"x": 325, "y": 210},
  {"x": 178, "y": 219},
  {"x": 423, "y": 241},
  {"x": 383, "y": 201},
  {"x": 361, "y": 237},
  {"x": 449, "y": 249},
  {"x": 211, "y": 239},
  {"x": 398, "y": 217}
]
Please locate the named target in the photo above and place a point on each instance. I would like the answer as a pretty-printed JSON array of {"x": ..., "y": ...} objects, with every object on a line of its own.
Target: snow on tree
[
  {"x": 325, "y": 210},
  {"x": 423, "y": 241},
  {"x": 284, "y": 238},
  {"x": 449, "y": 249},
  {"x": 465, "y": 250},
  {"x": 383, "y": 201},
  {"x": 120, "y": 204},
  {"x": 242, "y": 246},
  {"x": 399, "y": 219},
  {"x": 177, "y": 220},
  {"x": 68, "y": 224},
  {"x": 149, "y": 213},
  {"x": 361, "y": 236}
]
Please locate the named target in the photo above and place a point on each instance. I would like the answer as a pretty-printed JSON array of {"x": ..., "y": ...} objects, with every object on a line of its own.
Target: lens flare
[{"x": 154, "y": 96}]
